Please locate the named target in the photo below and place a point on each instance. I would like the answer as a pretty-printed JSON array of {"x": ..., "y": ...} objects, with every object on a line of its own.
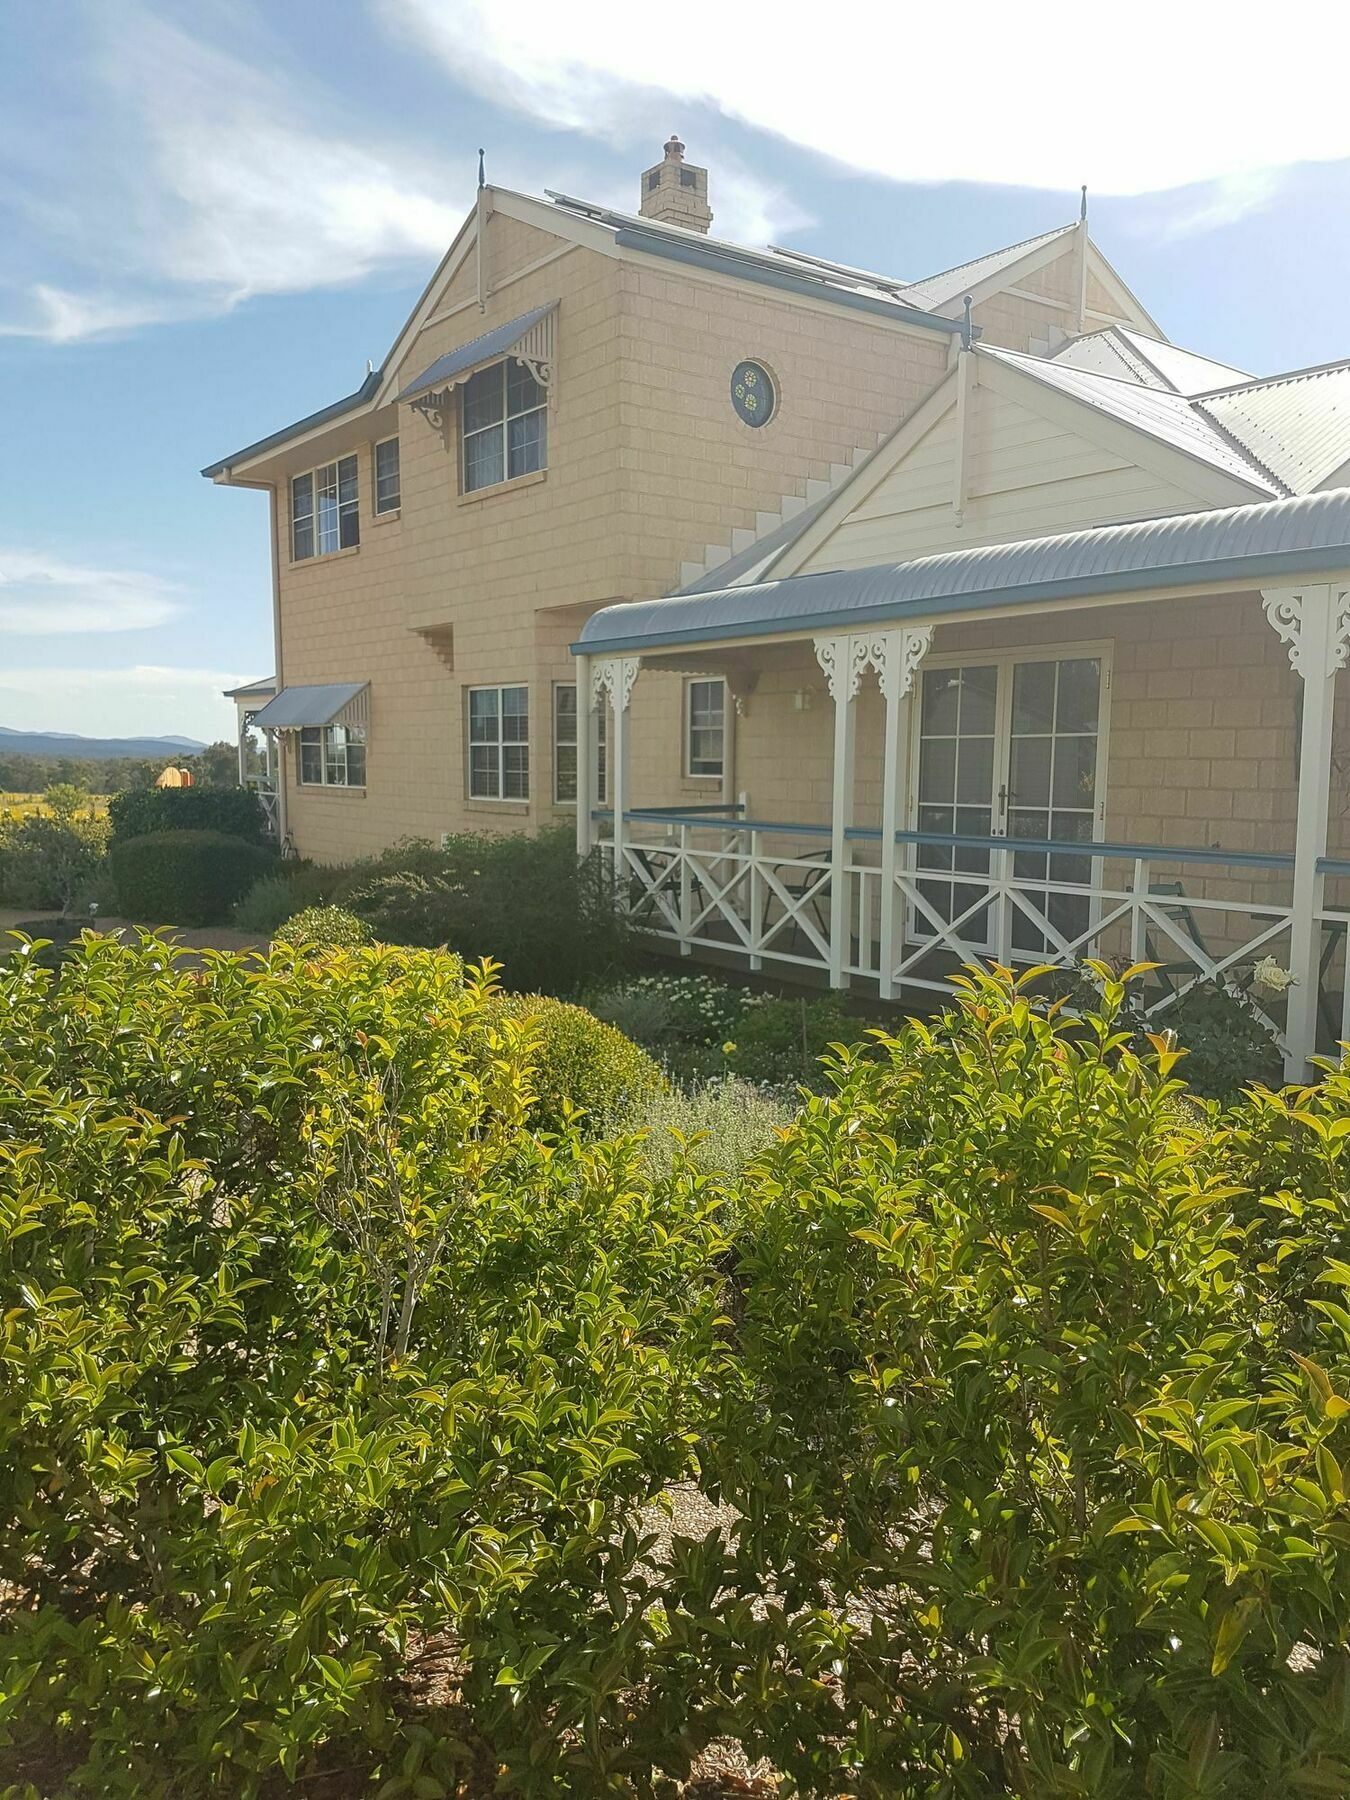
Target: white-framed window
[
  {"x": 333, "y": 756},
  {"x": 325, "y": 510},
  {"x": 505, "y": 425},
  {"x": 387, "y": 494},
  {"x": 705, "y": 727},
  {"x": 565, "y": 746},
  {"x": 499, "y": 743}
]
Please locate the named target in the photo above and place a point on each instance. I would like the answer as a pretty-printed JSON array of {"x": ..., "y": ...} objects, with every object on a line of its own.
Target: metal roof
[
  {"x": 267, "y": 685},
  {"x": 1168, "y": 417},
  {"x": 1297, "y": 426},
  {"x": 949, "y": 284},
  {"x": 1184, "y": 371},
  {"x": 478, "y": 350},
  {"x": 349, "y": 403},
  {"x": 1135, "y": 356},
  {"x": 295, "y": 707},
  {"x": 1242, "y": 545}
]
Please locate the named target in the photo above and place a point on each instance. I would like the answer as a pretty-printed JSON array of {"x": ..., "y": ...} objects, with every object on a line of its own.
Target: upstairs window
[
  {"x": 499, "y": 743},
  {"x": 325, "y": 510},
  {"x": 387, "y": 496},
  {"x": 705, "y": 727},
  {"x": 505, "y": 425},
  {"x": 333, "y": 756}
]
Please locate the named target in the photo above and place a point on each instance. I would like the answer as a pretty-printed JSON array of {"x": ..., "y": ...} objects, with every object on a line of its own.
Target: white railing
[{"x": 764, "y": 891}]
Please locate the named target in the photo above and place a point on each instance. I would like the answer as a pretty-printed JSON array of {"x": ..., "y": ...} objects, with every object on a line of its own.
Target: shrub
[
  {"x": 718, "y": 1126},
  {"x": 233, "y": 811},
  {"x": 320, "y": 1370},
  {"x": 184, "y": 877},
  {"x": 325, "y": 928},
  {"x": 50, "y": 862},
  {"x": 289, "y": 888},
  {"x": 1013, "y": 1381},
  {"x": 581, "y": 1063},
  {"x": 525, "y": 902}
]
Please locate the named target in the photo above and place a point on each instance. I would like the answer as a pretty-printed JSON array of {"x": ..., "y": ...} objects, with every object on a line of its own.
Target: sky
[{"x": 212, "y": 212}]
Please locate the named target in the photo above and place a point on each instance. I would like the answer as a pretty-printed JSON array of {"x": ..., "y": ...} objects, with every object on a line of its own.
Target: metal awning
[
  {"x": 1241, "y": 545},
  {"x": 330, "y": 703},
  {"x": 530, "y": 337}
]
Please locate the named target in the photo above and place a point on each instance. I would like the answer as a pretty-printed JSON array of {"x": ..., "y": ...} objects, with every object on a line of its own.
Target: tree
[{"x": 217, "y": 766}]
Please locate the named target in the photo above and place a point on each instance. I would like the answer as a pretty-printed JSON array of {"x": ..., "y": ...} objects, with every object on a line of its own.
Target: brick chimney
[{"x": 675, "y": 192}]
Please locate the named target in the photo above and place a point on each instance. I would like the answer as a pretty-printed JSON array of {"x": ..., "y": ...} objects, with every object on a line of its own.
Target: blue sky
[{"x": 213, "y": 211}]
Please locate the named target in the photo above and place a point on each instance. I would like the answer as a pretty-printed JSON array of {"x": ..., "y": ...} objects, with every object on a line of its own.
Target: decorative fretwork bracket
[
  {"x": 614, "y": 676},
  {"x": 894, "y": 655},
  {"x": 1313, "y": 652}
]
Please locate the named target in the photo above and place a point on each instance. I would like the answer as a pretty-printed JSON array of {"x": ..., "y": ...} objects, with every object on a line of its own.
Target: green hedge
[
  {"x": 582, "y": 1063},
  {"x": 237, "y": 812},
  {"x": 184, "y": 877},
  {"x": 324, "y": 928}
]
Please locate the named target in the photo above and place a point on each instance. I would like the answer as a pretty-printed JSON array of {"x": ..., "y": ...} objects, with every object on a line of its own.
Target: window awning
[
  {"x": 330, "y": 703},
  {"x": 530, "y": 337}
]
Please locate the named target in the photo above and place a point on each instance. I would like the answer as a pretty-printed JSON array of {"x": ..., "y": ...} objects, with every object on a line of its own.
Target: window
[
  {"x": 386, "y": 476},
  {"x": 505, "y": 425},
  {"x": 324, "y": 510},
  {"x": 565, "y": 746},
  {"x": 705, "y": 727},
  {"x": 333, "y": 756},
  {"x": 499, "y": 743}
]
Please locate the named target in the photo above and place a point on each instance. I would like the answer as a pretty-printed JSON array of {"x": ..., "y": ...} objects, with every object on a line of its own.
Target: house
[
  {"x": 1052, "y": 674},
  {"x": 585, "y": 406},
  {"x": 866, "y": 624}
]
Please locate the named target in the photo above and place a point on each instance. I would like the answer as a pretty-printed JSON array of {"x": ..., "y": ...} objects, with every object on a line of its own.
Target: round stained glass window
[{"x": 752, "y": 393}]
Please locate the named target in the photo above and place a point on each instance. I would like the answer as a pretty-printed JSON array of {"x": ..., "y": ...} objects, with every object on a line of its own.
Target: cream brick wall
[{"x": 647, "y": 465}]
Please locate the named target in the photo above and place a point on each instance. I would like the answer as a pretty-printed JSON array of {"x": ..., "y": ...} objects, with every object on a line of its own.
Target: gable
[{"x": 1028, "y": 470}]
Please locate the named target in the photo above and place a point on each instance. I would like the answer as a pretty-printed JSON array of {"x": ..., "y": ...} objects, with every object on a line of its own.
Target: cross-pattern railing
[{"x": 764, "y": 890}]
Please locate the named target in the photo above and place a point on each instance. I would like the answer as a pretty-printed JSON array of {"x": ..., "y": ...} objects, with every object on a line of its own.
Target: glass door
[
  {"x": 1008, "y": 747},
  {"x": 1052, "y": 790},
  {"x": 957, "y": 795}
]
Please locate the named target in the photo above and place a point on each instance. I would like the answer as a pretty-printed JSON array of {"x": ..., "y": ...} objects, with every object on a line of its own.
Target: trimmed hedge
[
  {"x": 324, "y": 928},
  {"x": 580, "y": 1062},
  {"x": 184, "y": 877},
  {"x": 236, "y": 812}
]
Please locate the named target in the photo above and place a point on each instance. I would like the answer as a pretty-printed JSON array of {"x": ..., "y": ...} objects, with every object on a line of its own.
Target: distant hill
[{"x": 60, "y": 743}]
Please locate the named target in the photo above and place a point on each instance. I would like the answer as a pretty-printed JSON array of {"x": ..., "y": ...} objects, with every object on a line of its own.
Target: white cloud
[
  {"x": 1166, "y": 96},
  {"x": 44, "y": 596},
  {"x": 1167, "y": 218},
  {"x": 144, "y": 701},
  {"x": 233, "y": 186}
]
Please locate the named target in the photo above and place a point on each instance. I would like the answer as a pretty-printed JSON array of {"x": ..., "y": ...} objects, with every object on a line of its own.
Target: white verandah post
[
  {"x": 902, "y": 652},
  {"x": 836, "y": 656},
  {"x": 1314, "y": 620},
  {"x": 616, "y": 675}
]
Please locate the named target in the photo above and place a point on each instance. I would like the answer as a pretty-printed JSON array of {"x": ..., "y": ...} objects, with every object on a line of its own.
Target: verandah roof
[
  {"x": 1271, "y": 540},
  {"x": 455, "y": 365},
  {"x": 327, "y": 703}
]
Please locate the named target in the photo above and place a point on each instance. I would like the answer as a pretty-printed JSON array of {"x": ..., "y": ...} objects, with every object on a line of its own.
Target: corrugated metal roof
[
  {"x": 318, "y": 705},
  {"x": 1184, "y": 371},
  {"x": 1242, "y": 545},
  {"x": 1168, "y": 417},
  {"x": 267, "y": 685},
  {"x": 950, "y": 284},
  {"x": 1107, "y": 353},
  {"x": 482, "y": 349},
  {"x": 1297, "y": 426}
]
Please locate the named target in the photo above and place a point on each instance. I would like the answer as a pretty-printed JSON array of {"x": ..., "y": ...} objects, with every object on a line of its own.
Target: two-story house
[{"x": 584, "y": 407}]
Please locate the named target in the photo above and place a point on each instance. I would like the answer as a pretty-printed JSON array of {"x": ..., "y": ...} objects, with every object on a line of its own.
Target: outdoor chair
[{"x": 808, "y": 887}]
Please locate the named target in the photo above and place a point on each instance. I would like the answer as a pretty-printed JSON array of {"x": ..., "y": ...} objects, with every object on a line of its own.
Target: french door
[{"x": 1009, "y": 746}]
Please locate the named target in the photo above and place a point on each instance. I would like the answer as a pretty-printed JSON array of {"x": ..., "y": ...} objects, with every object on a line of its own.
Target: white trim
[
  {"x": 323, "y": 731},
  {"x": 377, "y": 444},
  {"x": 503, "y": 363},
  {"x": 311, "y": 475}
]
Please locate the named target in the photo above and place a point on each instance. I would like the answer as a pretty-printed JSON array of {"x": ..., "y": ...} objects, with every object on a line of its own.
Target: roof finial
[
  {"x": 1082, "y": 210},
  {"x": 482, "y": 170},
  {"x": 967, "y": 329}
]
